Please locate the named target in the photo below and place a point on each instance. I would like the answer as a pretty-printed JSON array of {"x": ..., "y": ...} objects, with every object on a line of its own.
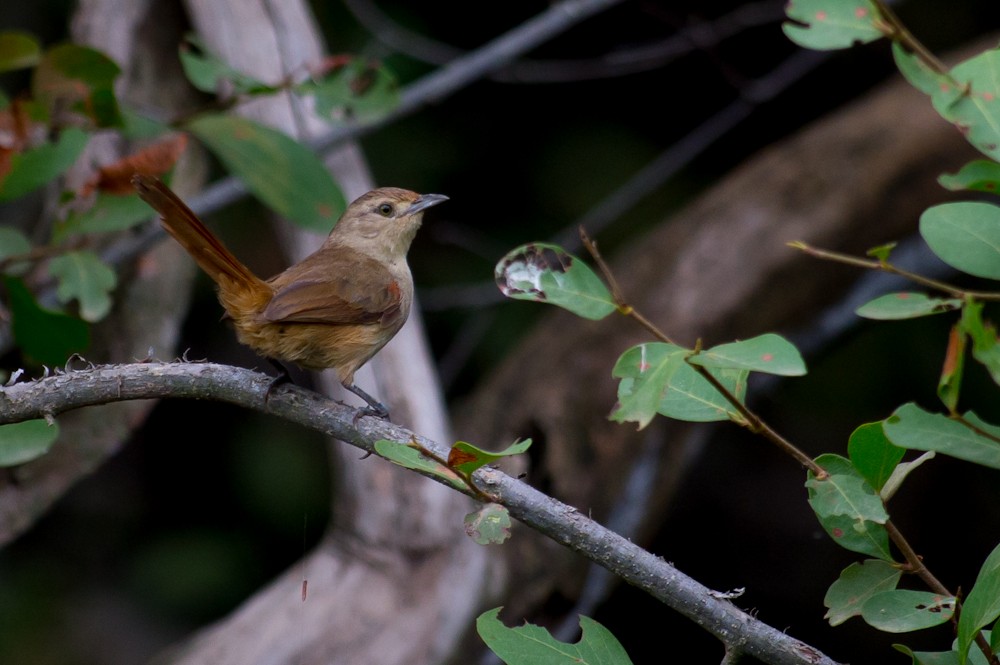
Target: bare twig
[{"x": 53, "y": 395}]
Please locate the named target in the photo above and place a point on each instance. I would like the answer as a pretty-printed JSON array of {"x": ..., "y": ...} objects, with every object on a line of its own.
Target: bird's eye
[{"x": 385, "y": 210}]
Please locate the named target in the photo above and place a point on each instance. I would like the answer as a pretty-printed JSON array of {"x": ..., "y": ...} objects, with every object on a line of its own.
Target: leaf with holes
[
  {"x": 547, "y": 273},
  {"x": 769, "y": 353},
  {"x": 490, "y": 525},
  {"x": 856, "y": 584},
  {"x": 831, "y": 24},
  {"x": 534, "y": 644},
  {"x": 360, "y": 90},
  {"x": 904, "y": 610},
  {"x": 208, "y": 73},
  {"x": 905, "y": 305}
]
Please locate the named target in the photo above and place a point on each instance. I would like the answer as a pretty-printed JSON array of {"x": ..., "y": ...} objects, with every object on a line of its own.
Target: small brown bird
[{"x": 335, "y": 308}]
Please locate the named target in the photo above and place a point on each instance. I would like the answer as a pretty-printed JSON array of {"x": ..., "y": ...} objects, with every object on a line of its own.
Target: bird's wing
[{"x": 311, "y": 293}]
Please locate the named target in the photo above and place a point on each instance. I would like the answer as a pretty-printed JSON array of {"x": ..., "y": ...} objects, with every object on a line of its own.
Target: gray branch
[{"x": 66, "y": 390}]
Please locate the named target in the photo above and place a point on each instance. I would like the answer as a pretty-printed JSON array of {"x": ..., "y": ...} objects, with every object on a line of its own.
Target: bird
[{"x": 337, "y": 307}]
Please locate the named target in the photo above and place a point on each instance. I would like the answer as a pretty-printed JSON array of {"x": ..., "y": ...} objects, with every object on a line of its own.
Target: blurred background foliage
[{"x": 208, "y": 502}]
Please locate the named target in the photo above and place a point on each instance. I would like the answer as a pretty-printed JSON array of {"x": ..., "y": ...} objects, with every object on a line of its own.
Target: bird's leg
[
  {"x": 283, "y": 377},
  {"x": 374, "y": 408}
]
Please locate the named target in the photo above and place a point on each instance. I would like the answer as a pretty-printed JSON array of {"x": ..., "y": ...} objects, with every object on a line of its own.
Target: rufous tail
[{"x": 208, "y": 252}]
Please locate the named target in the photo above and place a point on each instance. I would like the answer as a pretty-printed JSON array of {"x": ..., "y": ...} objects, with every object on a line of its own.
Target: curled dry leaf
[{"x": 156, "y": 159}]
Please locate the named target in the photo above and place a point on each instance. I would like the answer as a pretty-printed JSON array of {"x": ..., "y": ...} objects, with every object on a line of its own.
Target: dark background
[{"x": 186, "y": 522}]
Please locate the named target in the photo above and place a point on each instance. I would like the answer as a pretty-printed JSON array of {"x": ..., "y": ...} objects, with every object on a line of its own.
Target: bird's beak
[{"x": 425, "y": 201}]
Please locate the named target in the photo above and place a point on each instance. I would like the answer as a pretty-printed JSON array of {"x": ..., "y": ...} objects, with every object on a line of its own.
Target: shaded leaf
[
  {"x": 47, "y": 337},
  {"x": 407, "y": 456},
  {"x": 873, "y": 455},
  {"x": 284, "y": 174},
  {"x": 12, "y": 242},
  {"x": 33, "y": 168},
  {"x": 985, "y": 347},
  {"x": 84, "y": 277},
  {"x": 466, "y": 458},
  {"x": 490, "y": 525},
  {"x": 912, "y": 427},
  {"x": 547, "y": 273},
  {"x": 108, "y": 213},
  {"x": 23, "y": 442},
  {"x": 831, "y": 24},
  {"x": 982, "y": 604},
  {"x": 767, "y": 353},
  {"x": 361, "y": 90},
  {"x": 18, "y": 50},
  {"x": 965, "y": 235},
  {"x": 981, "y": 175},
  {"x": 81, "y": 79},
  {"x": 928, "y": 657},
  {"x": 534, "y": 644},
  {"x": 903, "y": 610},
  {"x": 906, "y": 305},
  {"x": 208, "y": 73},
  {"x": 856, "y": 584}
]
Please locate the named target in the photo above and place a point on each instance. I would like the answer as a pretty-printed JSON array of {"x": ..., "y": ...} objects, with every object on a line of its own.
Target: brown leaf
[
  {"x": 156, "y": 159},
  {"x": 456, "y": 457}
]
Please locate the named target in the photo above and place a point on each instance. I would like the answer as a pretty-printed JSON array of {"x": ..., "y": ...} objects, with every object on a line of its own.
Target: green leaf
[
  {"x": 847, "y": 530},
  {"x": 284, "y": 174},
  {"x": 856, "y": 584},
  {"x": 359, "y": 91},
  {"x": 767, "y": 353},
  {"x": 982, "y": 605},
  {"x": 490, "y": 525},
  {"x": 208, "y": 73},
  {"x": 530, "y": 644},
  {"x": 23, "y": 442},
  {"x": 965, "y": 235},
  {"x": 847, "y": 495},
  {"x": 138, "y": 126},
  {"x": 905, "y": 305},
  {"x": 831, "y": 24},
  {"x": 655, "y": 378},
  {"x": 903, "y": 610},
  {"x": 912, "y": 427},
  {"x": 882, "y": 252},
  {"x": 920, "y": 76},
  {"x": 84, "y": 277},
  {"x": 18, "y": 50},
  {"x": 873, "y": 455},
  {"x": 981, "y": 175},
  {"x": 900, "y": 473},
  {"x": 985, "y": 346},
  {"x": 48, "y": 337},
  {"x": 547, "y": 273},
  {"x": 976, "y": 109},
  {"x": 12, "y": 242},
  {"x": 466, "y": 458},
  {"x": 109, "y": 212},
  {"x": 928, "y": 657},
  {"x": 407, "y": 456},
  {"x": 80, "y": 78},
  {"x": 33, "y": 168}
]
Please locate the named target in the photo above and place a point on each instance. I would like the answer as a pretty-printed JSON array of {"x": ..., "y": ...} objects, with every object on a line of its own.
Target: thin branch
[
  {"x": 899, "y": 32},
  {"x": 885, "y": 266},
  {"x": 50, "y": 396}
]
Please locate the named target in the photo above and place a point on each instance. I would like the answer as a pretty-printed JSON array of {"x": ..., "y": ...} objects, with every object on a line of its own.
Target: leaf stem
[
  {"x": 752, "y": 421},
  {"x": 897, "y": 31},
  {"x": 885, "y": 266}
]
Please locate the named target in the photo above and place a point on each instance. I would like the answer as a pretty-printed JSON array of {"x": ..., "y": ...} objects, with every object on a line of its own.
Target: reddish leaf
[{"x": 156, "y": 159}]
